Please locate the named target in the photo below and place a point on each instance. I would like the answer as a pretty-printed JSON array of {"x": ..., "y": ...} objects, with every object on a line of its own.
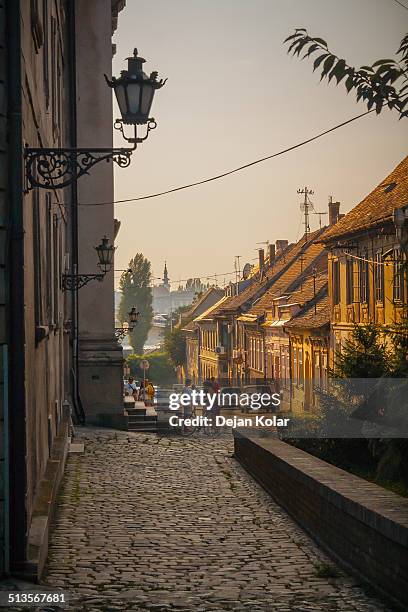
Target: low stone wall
[{"x": 362, "y": 525}]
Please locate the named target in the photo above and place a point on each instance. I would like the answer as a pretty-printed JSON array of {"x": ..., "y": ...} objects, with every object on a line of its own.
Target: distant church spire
[{"x": 166, "y": 281}]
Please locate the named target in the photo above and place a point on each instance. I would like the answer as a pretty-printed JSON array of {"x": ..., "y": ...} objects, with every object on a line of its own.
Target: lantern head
[
  {"x": 105, "y": 253},
  {"x": 135, "y": 90}
]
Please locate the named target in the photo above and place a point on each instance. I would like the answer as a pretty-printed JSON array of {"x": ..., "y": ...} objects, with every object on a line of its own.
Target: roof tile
[{"x": 377, "y": 207}]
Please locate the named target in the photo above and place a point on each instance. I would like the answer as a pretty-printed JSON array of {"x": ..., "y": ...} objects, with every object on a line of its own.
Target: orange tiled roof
[
  {"x": 377, "y": 207},
  {"x": 285, "y": 262},
  {"x": 293, "y": 280},
  {"x": 307, "y": 318},
  {"x": 195, "y": 305}
]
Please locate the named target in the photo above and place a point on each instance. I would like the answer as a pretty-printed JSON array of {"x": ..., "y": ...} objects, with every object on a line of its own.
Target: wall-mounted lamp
[
  {"x": 54, "y": 168},
  {"x": 128, "y": 326},
  {"x": 105, "y": 251}
]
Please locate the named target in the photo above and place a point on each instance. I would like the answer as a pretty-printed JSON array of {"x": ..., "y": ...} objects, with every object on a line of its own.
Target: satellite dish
[{"x": 246, "y": 271}]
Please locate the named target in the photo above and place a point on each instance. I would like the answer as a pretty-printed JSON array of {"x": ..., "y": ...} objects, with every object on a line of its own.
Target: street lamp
[
  {"x": 133, "y": 316},
  {"x": 55, "y": 168},
  {"x": 121, "y": 332},
  {"x": 105, "y": 251},
  {"x": 135, "y": 90}
]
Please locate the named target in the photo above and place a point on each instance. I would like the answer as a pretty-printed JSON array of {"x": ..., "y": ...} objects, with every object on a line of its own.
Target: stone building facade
[
  {"x": 100, "y": 359},
  {"x": 42, "y": 104}
]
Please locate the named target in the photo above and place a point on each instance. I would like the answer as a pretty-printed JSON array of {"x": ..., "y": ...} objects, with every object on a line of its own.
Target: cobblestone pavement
[{"x": 145, "y": 523}]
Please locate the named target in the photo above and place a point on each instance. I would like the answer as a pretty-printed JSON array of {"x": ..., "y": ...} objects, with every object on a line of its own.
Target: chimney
[
  {"x": 271, "y": 254},
  {"x": 334, "y": 210},
  {"x": 261, "y": 253},
  {"x": 281, "y": 245}
]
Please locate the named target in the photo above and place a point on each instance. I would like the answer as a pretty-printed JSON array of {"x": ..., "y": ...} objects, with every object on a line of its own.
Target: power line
[
  {"x": 234, "y": 170},
  {"x": 403, "y": 5},
  {"x": 372, "y": 261}
]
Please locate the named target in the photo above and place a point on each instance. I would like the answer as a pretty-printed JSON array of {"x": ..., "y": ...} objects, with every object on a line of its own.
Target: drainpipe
[
  {"x": 199, "y": 355},
  {"x": 78, "y": 408},
  {"x": 6, "y": 451},
  {"x": 290, "y": 374},
  {"x": 17, "y": 417}
]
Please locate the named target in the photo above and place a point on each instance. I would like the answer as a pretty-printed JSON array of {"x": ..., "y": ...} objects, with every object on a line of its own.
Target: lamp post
[
  {"x": 105, "y": 251},
  {"x": 55, "y": 168},
  {"x": 121, "y": 332}
]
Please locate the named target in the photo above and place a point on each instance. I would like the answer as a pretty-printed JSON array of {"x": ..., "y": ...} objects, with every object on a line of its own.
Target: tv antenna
[
  {"x": 306, "y": 206},
  {"x": 320, "y": 217}
]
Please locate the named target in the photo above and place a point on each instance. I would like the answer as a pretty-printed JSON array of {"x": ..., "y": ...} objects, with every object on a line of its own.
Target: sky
[{"x": 234, "y": 95}]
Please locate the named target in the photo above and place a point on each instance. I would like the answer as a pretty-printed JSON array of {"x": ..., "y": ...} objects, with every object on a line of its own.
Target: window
[
  {"x": 324, "y": 373},
  {"x": 56, "y": 268},
  {"x": 300, "y": 359},
  {"x": 38, "y": 305},
  {"x": 36, "y": 25},
  {"x": 379, "y": 278},
  {"x": 398, "y": 276},
  {"x": 336, "y": 282},
  {"x": 364, "y": 278},
  {"x": 46, "y": 70},
  {"x": 317, "y": 373},
  {"x": 49, "y": 265},
  {"x": 350, "y": 281},
  {"x": 295, "y": 367},
  {"x": 56, "y": 79}
]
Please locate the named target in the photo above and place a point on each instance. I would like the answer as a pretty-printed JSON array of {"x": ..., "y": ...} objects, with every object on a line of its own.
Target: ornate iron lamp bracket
[
  {"x": 55, "y": 168},
  {"x": 70, "y": 282}
]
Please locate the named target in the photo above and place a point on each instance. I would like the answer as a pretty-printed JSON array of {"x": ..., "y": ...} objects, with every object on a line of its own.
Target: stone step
[
  {"x": 142, "y": 426},
  {"x": 142, "y": 422},
  {"x": 140, "y": 419}
]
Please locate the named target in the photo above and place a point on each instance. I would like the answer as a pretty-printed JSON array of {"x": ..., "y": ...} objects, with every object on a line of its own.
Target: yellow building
[
  {"x": 191, "y": 369},
  {"x": 367, "y": 250},
  {"x": 309, "y": 341}
]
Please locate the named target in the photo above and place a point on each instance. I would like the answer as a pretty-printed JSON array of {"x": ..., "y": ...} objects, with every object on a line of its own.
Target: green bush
[{"x": 161, "y": 370}]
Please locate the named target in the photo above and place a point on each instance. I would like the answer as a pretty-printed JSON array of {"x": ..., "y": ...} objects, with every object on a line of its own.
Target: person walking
[
  {"x": 149, "y": 393},
  {"x": 215, "y": 384},
  {"x": 142, "y": 392},
  {"x": 131, "y": 388},
  {"x": 187, "y": 390}
]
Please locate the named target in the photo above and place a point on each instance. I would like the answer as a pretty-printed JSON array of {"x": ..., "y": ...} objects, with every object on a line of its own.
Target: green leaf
[
  {"x": 339, "y": 71},
  {"x": 321, "y": 41},
  {"x": 312, "y": 49},
  {"x": 349, "y": 83},
  {"x": 293, "y": 45},
  {"x": 328, "y": 64},
  {"x": 383, "y": 68},
  {"x": 319, "y": 60},
  {"x": 295, "y": 35},
  {"x": 383, "y": 61},
  {"x": 300, "y": 46}
]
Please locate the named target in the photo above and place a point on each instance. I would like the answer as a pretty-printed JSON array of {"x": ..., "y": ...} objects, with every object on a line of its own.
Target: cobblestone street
[{"x": 156, "y": 524}]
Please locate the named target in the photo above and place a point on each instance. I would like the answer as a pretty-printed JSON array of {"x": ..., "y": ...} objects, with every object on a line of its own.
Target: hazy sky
[{"x": 234, "y": 95}]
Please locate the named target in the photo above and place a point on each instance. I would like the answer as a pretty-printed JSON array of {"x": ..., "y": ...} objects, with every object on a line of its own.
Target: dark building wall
[
  {"x": 3, "y": 272},
  {"x": 38, "y": 115}
]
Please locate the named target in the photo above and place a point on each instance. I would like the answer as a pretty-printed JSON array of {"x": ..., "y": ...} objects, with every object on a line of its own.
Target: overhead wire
[{"x": 234, "y": 170}]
